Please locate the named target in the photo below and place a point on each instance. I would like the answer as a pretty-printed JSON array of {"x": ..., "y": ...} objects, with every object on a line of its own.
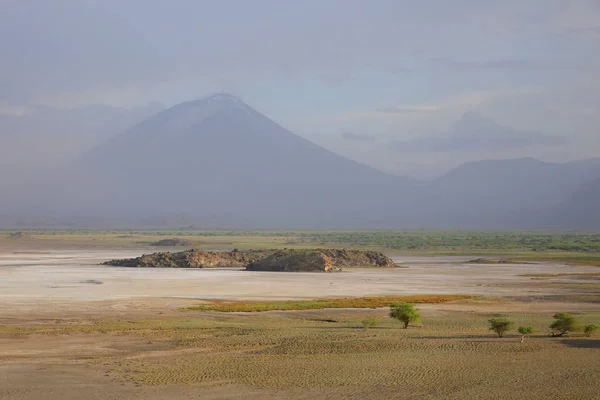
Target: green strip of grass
[{"x": 317, "y": 304}]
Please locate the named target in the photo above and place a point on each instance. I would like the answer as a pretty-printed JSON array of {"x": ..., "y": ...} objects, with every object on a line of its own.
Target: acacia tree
[
  {"x": 405, "y": 313},
  {"x": 590, "y": 329},
  {"x": 500, "y": 325},
  {"x": 563, "y": 324},
  {"x": 524, "y": 331}
]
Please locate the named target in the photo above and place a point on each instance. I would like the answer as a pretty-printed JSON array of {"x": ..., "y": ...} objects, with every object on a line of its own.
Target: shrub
[
  {"x": 524, "y": 331},
  {"x": 590, "y": 329},
  {"x": 500, "y": 325},
  {"x": 563, "y": 324},
  {"x": 369, "y": 322},
  {"x": 405, "y": 313}
]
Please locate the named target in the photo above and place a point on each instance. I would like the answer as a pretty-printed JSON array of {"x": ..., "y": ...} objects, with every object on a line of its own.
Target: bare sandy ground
[
  {"x": 61, "y": 282},
  {"x": 61, "y": 286}
]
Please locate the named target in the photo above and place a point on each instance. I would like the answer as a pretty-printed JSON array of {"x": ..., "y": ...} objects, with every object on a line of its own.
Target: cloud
[
  {"x": 576, "y": 18},
  {"x": 457, "y": 104},
  {"x": 516, "y": 65},
  {"x": 335, "y": 80},
  {"x": 508, "y": 64},
  {"x": 362, "y": 137},
  {"x": 473, "y": 132},
  {"x": 12, "y": 110},
  {"x": 396, "y": 110},
  {"x": 74, "y": 47}
]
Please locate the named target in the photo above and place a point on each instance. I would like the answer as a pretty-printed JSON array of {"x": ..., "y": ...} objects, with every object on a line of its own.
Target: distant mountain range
[
  {"x": 581, "y": 209},
  {"x": 217, "y": 162}
]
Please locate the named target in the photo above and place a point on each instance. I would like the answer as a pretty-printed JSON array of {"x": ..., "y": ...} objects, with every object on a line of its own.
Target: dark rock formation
[
  {"x": 294, "y": 261},
  {"x": 171, "y": 242},
  {"x": 193, "y": 259},
  {"x": 325, "y": 260},
  {"x": 261, "y": 260}
]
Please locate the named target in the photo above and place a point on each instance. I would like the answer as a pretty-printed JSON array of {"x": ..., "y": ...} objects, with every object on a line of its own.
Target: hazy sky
[{"x": 360, "y": 77}]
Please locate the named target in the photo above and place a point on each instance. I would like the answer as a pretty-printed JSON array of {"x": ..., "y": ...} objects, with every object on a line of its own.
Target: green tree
[
  {"x": 368, "y": 322},
  {"x": 590, "y": 329},
  {"x": 500, "y": 325},
  {"x": 405, "y": 313},
  {"x": 524, "y": 331},
  {"x": 563, "y": 324}
]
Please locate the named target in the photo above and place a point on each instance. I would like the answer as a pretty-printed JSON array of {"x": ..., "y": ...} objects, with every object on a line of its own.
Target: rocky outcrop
[
  {"x": 325, "y": 260},
  {"x": 171, "y": 242},
  {"x": 261, "y": 260},
  {"x": 193, "y": 259},
  {"x": 294, "y": 261},
  {"x": 357, "y": 258}
]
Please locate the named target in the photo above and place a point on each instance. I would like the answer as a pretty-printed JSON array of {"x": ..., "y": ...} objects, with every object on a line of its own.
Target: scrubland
[{"x": 72, "y": 329}]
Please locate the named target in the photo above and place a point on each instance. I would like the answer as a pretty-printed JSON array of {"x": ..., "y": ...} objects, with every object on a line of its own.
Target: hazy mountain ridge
[
  {"x": 217, "y": 158},
  {"x": 511, "y": 193},
  {"x": 474, "y": 132},
  {"x": 217, "y": 162},
  {"x": 581, "y": 209}
]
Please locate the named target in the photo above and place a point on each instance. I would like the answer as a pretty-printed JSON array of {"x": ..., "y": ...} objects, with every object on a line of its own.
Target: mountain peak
[
  {"x": 215, "y": 103},
  {"x": 222, "y": 96},
  {"x": 225, "y": 101},
  {"x": 196, "y": 111}
]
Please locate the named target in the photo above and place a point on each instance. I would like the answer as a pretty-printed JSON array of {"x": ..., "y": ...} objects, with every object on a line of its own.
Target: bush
[
  {"x": 369, "y": 322},
  {"x": 500, "y": 325},
  {"x": 590, "y": 329},
  {"x": 563, "y": 324},
  {"x": 405, "y": 313},
  {"x": 524, "y": 331}
]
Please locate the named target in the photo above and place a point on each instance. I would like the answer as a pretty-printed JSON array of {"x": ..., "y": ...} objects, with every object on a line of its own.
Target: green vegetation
[
  {"x": 590, "y": 329},
  {"x": 440, "y": 242},
  {"x": 405, "y": 313},
  {"x": 500, "y": 325},
  {"x": 354, "y": 302},
  {"x": 369, "y": 322},
  {"x": 563, "y": 324},
  {"x": 572, "y": 247},
  {"x": 525, "y": 330}
]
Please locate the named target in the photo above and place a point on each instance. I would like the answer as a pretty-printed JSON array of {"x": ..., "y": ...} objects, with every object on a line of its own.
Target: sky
[{"x": 410, "y": 87}]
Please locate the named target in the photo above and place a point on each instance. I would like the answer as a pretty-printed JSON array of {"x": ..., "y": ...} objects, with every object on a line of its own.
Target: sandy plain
[{"x": 45, "y": 292}]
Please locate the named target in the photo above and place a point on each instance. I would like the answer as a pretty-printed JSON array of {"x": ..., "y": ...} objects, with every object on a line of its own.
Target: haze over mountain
[
  {"x": 511, "y": 193},
  {"x": 407, "y": 87},
  {"x": 217, "y": 162},
  {"x": 581, "y": 210},
  {"x": 36, "y": 138},
  {"x": 218, "y": 158},
  {"x": 474, "y": 132}
]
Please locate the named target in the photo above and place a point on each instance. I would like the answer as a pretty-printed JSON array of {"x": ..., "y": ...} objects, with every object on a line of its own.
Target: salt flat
[{"x": 74, "y": 276}]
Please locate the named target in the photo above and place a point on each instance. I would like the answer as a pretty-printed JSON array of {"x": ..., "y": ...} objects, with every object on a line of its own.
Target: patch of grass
[
  {"x": 446, "y": 358},
  {"x": 575, "y": 248},
  {"x": 551, "y": 244},
  {"x": 449, "y": 357},
  {"x": 356, "y": 302}
]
